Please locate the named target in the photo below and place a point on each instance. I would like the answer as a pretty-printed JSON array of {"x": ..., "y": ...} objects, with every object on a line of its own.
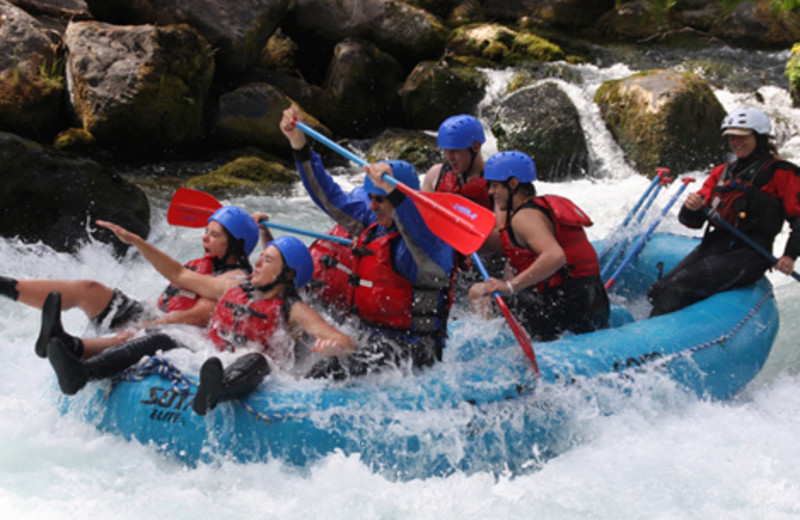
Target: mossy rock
[
  {"x": 664, "y": 118},
  {"x": 417, "y": 147},
  {"x": 534, "y": 72},
  {"x": 792, "y": 73},
  {"x": 76, "y": 140},
  {"x": 245, "y": 174},
  {"x": 536, "y": 48}
]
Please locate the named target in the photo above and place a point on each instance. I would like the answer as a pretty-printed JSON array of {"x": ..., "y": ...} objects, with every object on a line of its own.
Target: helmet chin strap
[
  {"x": 281, "y": 278},
  {"x": 472, "y": 155}
]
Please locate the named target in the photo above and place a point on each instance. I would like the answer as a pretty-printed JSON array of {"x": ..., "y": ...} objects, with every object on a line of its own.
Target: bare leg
[
  {"x": 89, "y": 296},
  {"x": 93, "y": 346}
]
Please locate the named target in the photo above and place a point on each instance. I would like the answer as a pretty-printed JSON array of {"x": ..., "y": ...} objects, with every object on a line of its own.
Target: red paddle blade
[
  {"x": 191, "y": 208},
  {"x": 519, "y": 332},
  {"x": 460, "y": 222}
]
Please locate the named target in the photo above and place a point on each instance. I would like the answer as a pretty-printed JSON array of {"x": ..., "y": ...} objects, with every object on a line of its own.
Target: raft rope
[
  {"x": 662, "y": 360},
  {"x": 182, "y": 384}
]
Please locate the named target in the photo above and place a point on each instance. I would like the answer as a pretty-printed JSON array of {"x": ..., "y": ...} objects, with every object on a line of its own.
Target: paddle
[
  {"x": 640, "y": 243},
  {"x": 516, "y": 327},
  {"x": 717, "y": 219},
  {"x": 191, "y": 208},
  {"x": 661, "y": 181},
  {"x": 457, "y": 220}
]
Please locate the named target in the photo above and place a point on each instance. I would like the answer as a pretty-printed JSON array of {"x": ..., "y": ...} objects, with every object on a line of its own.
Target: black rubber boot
[
  {"x": 8, "y": 288},
  {"x": 114, "y": 360},
  {"x": 51, "y": 328},
  {"x": 238, "y": 380},
  {"x": 70, "y": 371},
  {"x": 211, "y": 374}
]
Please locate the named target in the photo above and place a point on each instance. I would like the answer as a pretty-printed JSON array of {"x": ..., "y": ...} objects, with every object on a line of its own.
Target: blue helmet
[
  {"x": 459, "y": 132},
  {"x": 239, "y": 224},
  {"x": 403, "y": 171},
  {"x": 504, "y": 165},
  {"x": 296, "y": 256}
]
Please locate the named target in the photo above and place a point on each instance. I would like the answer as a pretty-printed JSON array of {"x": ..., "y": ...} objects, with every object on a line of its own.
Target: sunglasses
[{"x": 380, "y": 199}]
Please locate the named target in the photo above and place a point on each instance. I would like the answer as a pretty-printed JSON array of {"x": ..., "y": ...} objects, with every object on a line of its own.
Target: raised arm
[{"x": 212, "y": 287}]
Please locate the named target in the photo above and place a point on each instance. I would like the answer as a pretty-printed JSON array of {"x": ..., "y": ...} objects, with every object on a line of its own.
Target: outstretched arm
[{"x": 212, "y": 287}]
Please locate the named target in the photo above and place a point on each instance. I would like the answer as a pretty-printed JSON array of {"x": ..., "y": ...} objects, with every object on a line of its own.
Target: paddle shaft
[
  {"x": 322, "y": 236},
  {"x": 660, "y": 173},
  {"x": 640, "y": 243},
  {"x": 191, "y": 208},
  {"x": 522, "y": 336},
  {"x": 661, "y": 182},
  {"x": 717, "y": 219}
]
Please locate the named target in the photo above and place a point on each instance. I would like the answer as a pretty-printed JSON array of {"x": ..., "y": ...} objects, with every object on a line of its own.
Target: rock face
[
  {"x": 664, "y": 118},
  {"x": 31, "y": 80},
  {"x": 55, "y": 198},
  {"x": 402, "y": 30},
  {"x": 138, "y": 86},
  {"x": 435, "y": 91},
  {"x": 542, "y": 122},
  {"x": 238, "y": 30}
]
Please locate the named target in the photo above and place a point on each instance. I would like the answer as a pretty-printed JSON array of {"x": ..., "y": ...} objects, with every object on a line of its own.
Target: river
[{"x": 678, "y": 458}]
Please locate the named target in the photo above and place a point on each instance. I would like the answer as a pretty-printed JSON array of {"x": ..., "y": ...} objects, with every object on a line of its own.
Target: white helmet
[{"x": 742, "y": 120}]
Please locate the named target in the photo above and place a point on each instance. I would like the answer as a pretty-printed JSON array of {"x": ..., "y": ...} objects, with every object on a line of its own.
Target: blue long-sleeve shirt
[{"x": 420, "y": 257}]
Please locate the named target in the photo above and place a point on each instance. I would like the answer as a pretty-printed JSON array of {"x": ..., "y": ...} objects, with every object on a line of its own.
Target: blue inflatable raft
[{"x": 481, "y": 409}]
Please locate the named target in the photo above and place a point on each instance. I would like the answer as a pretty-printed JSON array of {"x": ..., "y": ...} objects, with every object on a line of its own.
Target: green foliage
[
  {"x": 779, "y": 6},
  {"x": 52, "y": 75},
  {"x": 784, "y": 6}
]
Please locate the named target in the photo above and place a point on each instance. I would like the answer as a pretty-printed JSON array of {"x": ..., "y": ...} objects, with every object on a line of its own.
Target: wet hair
[
  {"x": 235, "y": 249},
  {"x": 765, "y": 145}
]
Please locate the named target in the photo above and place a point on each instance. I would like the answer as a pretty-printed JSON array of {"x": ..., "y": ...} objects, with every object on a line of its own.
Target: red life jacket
[
  {"x": 176, "y": 299},
  {"x": 475, "y": 189},
  {"x": 387, "y": 300},
  {"x": 383, "y": 298},
  {"x": 740, "y": 199},
  {"x": 332, "y": 264},
  {"x": 240, "y": 321},
  {"x": 569, "y": 221}
]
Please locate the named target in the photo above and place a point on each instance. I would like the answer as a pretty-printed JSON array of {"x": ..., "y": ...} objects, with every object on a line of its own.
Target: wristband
[{"x": 510, "y": 287}]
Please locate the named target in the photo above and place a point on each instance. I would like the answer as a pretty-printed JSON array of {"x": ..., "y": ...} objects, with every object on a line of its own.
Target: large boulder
[
  {"x": 406, "y": 32},
  {"x": 501, "y": 44},
  {"x": 664, "y": 118},
  {"x": 139, "y": 87},
  {"x": 755, "y": 24},
  {"x": 543, "y": 122},
  {"x": 563, "y": 14},
  {"x": 237, "y": 30},
  {"x": 55, "y": 198},
  {"x": 361, "y": 86},
  {"x": 632, "y": 21},
  {"x": 437, "y": 90},
  {"x": 249, "y": 115},
  {"x": 415, "y": 146},
  {"x": 31, "y": 75}
]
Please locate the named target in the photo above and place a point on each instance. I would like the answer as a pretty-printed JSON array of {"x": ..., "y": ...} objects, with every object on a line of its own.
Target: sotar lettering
[
  {"x": 167, "y": 404},
  {"x": 465, "y": 211}
]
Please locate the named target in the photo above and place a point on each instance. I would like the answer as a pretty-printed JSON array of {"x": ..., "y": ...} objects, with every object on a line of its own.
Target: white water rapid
[{"x": 653, "y": 459}]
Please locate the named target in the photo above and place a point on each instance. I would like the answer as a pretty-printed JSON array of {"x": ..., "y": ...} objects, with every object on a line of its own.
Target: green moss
[
  {"x": 792, "y": 73},
  {"x": 537, "y": 47},
  {"x": 74, "y": 140},
  {"x": 244, "y": 172}
]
